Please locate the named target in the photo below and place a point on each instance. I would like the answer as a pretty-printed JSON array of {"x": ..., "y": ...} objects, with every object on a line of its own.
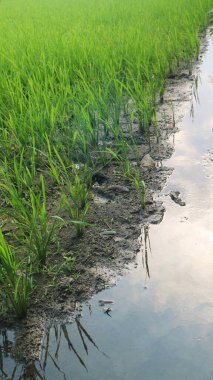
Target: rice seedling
[
  {"x": 17, "y": 173},
  {"x": 140, "y": 187},
  {"x": 34, "y": 227},
  {"x": 69, "y": 263},
  {"x": 122, "y": 158},
  {"x": 15, "y": 279},
  {"x": 77, "y": 204},
  {"x": 41, "y": 230},
  {"x": 127, "y": 169}
]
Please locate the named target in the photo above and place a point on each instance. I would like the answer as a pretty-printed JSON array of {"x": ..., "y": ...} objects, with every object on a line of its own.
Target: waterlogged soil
[{"x": 113, "y": 240}]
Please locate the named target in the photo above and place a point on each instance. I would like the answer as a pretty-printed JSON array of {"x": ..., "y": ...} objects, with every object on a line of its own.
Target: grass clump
[
  {"x": 76, "y": 203},
  {"x": 15, "y": 279},
  {"x": 35, "y": 229}
]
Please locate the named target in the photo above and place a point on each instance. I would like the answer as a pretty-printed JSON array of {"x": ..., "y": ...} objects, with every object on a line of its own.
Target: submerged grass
[{"x": 69, "y": 70}]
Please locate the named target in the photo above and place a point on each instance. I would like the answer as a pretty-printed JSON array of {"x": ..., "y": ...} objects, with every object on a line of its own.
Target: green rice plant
[
  {"x": 69, "y": 263},
  {"x": 77, "y": 215},
  {"x": 142, "y": 89},
  {"x": 87, "y": 175},
  {"x": 35, "y": 227},
  {"x": 18, "y": 173},
  {"x": 80, "y": 173},
  {"x": 77, "y": 204},
  {"x": 78, "y": 193},
  {"x": 127, "y": 169},
  {"x": 15, "y": 279},
  {"x": 140, "y": 187},
  {"x": 72, "y": 88},
  {"x": 142, "y": 194},
  {"x": 57, "y": 168},
  {"x": 41, "y": 229},
  {"x": 124, "y": 162}
]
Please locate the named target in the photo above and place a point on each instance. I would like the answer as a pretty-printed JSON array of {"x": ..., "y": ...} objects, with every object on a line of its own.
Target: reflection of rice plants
[{"x": 51, "y": 351}]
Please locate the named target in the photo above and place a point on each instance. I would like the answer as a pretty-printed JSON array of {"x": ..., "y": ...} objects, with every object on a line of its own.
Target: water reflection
[
  {"x": 145, "y": 248},
  {"x": 31, "y": 372},
  {"x": 35, "y": 369}
]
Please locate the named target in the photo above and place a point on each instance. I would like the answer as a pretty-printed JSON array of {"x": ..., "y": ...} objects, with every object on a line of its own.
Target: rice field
[{"x": 70, "y": 71}]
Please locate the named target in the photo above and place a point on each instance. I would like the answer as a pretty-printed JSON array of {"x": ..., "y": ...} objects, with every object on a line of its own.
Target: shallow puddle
[{"x": 160, "y": 325}]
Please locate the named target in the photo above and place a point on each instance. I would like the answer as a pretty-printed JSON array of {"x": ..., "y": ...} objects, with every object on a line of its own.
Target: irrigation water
[{"x": 159, "y": 327}]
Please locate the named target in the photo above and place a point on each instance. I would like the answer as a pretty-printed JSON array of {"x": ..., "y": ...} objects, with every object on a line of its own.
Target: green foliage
[
  {"x": 15, "y": 279},
  {"x": 77, "y": 204},
  {"x": 35, "y": 228},
  {"x": 67, "y": 73},
  {"x": 69, "y": 263},
  {"x": 140, "y": 187}
]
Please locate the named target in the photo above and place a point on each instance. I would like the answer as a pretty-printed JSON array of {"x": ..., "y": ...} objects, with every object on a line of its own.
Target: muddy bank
[{"x": 110, "y": 245}]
